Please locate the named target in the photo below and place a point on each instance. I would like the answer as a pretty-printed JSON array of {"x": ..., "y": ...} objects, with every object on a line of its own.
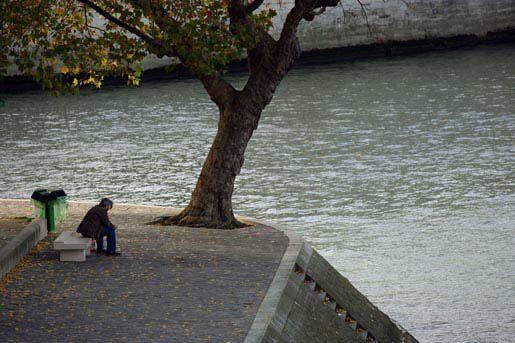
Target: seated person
[{"x": 96, "y": 224}]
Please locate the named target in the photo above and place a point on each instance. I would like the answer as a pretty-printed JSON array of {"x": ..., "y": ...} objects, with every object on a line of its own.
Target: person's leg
[
  {"x": 100, "y": 244},
  {"x": 111, "y": 240}
]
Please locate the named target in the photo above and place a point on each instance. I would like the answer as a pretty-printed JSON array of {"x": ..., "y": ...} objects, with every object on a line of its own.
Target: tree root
[{"x": 184, "y": 219}]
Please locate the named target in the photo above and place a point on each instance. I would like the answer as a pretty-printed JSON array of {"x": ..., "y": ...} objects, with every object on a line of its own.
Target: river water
[{"x": 399, "y": 171}]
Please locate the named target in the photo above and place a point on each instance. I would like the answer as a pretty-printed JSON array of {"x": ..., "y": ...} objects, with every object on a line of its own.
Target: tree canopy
[{"x": 87, "y": 40}]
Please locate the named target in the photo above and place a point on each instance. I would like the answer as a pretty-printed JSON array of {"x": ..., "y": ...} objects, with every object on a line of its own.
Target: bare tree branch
[
  {"x": 86, "y": 22},
  {"x": 146, "y": 38},
  {"x": 271, "y": 60},
  {"x": 364, "y": 13},
  {"x": 118, "y": 22}
]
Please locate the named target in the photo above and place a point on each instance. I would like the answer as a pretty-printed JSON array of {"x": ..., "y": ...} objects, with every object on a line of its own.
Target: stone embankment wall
[
  {"x": 385, "y": 21},
  {"x": 371, "y": 30},
  {"x": 398, "y": 20},
  {"x": 310, "y": 301}
]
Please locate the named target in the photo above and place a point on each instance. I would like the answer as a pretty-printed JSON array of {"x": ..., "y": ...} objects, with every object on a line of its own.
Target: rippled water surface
[{"x": 399, "y": 171}]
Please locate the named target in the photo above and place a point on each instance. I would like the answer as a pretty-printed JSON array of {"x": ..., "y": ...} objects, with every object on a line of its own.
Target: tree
[{"x": 205, "y": 35}]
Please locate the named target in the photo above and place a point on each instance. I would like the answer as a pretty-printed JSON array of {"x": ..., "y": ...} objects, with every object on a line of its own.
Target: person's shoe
[
  {"x": 103, "y": 251},
  {"x": 112, "y": 253}
]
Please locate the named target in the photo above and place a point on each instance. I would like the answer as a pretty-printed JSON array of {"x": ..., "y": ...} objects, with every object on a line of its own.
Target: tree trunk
[{"x": 211, "y": 202}]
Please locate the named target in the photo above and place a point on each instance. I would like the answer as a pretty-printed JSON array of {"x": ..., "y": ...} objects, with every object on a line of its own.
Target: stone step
[{"x": 333, "y": 305}]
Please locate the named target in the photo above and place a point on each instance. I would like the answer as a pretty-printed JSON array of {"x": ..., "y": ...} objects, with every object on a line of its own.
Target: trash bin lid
[
  {"x": 58, "y": 193},
  {"x": 41, "y": 195}
]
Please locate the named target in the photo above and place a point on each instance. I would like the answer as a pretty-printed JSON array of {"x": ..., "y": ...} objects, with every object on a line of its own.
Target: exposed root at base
[{"x": 200, "y": 222}]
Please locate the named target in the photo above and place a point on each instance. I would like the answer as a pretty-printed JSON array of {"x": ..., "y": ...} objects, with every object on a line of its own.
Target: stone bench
[{"x": 72, "y": 246}]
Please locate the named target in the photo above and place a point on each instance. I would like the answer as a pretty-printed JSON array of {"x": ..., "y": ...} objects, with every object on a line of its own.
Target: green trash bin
[
  {"x": 50, "y": 205},
  {"x": 39, "y": 198},
  {"x": 57, "y": 209}
]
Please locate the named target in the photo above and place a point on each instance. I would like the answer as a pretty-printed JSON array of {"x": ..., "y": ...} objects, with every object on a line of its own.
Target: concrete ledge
[
  {"x": 268, "y": 308},
  {"x": 20, "y": 245}
]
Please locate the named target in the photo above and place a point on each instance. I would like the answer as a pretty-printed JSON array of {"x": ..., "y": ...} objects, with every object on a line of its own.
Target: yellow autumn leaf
[
  {"x": 65, "y": 69},
  {"x": 75, "y": 82}
]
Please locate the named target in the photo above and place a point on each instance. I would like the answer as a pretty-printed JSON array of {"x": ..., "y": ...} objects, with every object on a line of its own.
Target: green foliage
[{"x": 41, "y": 37}]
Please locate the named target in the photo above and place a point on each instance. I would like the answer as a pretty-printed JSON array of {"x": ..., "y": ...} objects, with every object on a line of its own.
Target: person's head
[{"x": 106, "y": 203}]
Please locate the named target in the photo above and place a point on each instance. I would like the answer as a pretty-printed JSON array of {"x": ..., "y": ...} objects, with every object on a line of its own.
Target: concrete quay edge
[{"x": 270, "y": 302}]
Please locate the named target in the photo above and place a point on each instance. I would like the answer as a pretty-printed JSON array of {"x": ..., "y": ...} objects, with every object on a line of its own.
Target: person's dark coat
[{"x": 94, "y": 222}]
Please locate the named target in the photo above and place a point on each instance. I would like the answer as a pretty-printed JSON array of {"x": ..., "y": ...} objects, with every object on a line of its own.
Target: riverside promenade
[{"x": 171, "y": 284}]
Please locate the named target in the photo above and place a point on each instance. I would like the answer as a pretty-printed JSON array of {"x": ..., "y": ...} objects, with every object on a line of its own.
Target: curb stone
[{"x": 20, "y": 245}]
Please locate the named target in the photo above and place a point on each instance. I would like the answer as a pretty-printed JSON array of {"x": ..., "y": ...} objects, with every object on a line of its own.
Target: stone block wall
[
  {"x": 318, "y": 304},
  {"x": 384, "y": 21},
  {"x": 380, "y": 21}
]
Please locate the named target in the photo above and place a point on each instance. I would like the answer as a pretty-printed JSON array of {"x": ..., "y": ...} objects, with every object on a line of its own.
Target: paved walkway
[{"x": 171, "y": 284}]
